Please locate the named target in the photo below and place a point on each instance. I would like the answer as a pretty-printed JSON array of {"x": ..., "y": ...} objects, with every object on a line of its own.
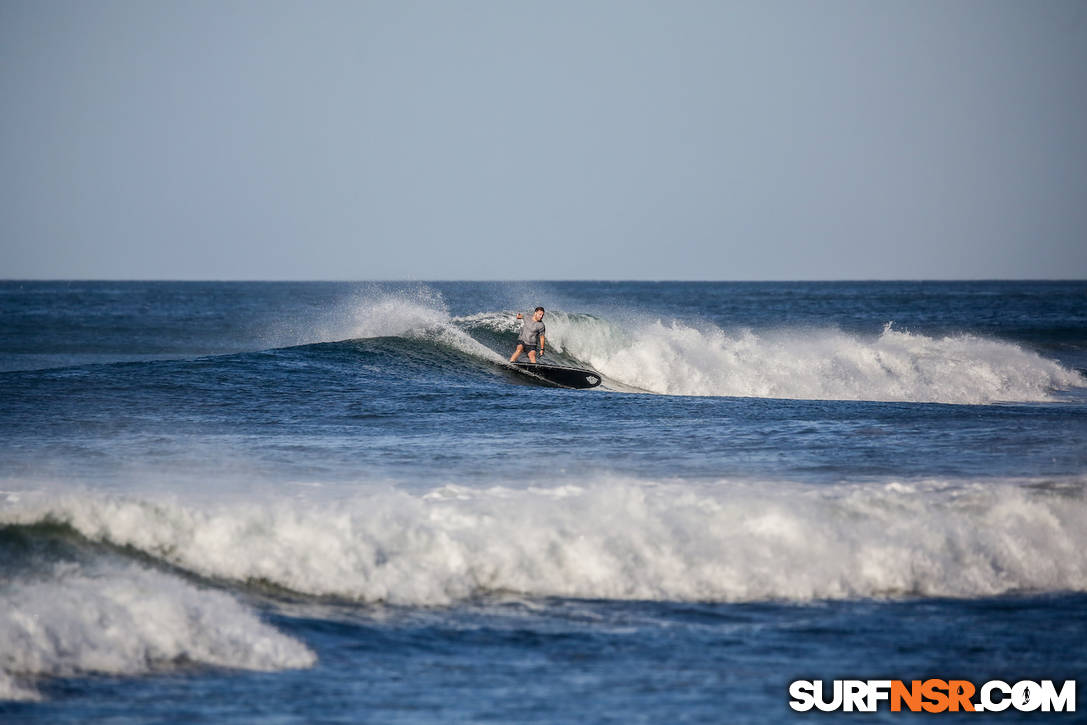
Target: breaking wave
[
  {"x": 613, "y": 539},
  {"x": 124, "y": 619},
  {"x": 814, "y": 364},
  {"x": 676, "y": 358}
]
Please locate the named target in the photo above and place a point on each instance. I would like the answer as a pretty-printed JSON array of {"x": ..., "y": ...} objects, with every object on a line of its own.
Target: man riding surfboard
[{"x": 532, "y": 334}]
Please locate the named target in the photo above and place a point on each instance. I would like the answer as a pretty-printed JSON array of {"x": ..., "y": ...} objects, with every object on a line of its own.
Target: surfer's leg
[
  {"x": 532, "y": 356},
  {"x": 517, "y": 353}
]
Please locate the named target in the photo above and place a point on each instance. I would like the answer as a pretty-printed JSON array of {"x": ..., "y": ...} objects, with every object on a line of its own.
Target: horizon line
[{"x": 409, "y": 280}]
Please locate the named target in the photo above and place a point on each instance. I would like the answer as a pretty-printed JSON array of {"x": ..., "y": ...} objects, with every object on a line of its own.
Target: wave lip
[
  {"x": 127, "y": 620},
  {"x": 621, "y": 539}
]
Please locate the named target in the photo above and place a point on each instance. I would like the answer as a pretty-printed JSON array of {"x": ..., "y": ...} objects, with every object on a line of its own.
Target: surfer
[{"x": 532, "y": 334}]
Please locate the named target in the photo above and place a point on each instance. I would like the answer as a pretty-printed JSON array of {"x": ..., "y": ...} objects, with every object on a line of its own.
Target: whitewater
[
  {"x": 673, "y": 358},
  {"x": 612, "y": 539}
]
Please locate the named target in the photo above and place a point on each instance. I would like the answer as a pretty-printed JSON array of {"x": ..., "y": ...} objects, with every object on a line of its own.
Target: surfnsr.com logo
[{"x": 933, "y": 695}]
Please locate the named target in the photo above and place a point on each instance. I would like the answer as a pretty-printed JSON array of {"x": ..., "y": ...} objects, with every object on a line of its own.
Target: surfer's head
[{"x": 539, "y": 314}]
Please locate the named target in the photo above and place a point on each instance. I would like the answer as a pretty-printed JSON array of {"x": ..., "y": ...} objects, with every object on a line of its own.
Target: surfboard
[{"x": 562, "y": 375}]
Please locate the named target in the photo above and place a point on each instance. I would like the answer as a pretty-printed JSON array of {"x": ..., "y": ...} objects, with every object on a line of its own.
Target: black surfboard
[{"x": 562, "y": 375}]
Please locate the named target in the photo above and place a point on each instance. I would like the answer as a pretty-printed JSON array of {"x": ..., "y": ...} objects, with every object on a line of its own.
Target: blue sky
[{"x": 522, "y": 140}]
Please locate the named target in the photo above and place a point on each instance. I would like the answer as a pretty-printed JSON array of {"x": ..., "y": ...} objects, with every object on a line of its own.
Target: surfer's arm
[{"x": 542, "y": 338}]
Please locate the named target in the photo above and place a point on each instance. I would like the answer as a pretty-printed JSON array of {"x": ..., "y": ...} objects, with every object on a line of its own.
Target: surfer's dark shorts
[{"x": 527, "y": 346}]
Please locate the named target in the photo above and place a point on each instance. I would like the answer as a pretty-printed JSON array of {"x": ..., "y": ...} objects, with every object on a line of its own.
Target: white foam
[
  {"x": 126, "y": 619},
  {"x": 827, "y": 364},
  {"x": 10, "y": 689},
  {"x": 617, "y": 539}
]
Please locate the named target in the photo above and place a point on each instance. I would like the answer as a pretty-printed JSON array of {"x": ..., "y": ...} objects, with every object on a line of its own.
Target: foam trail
[
  {"x": 127, "y": 620},
  {"x": 617, "y": 539},
  {"x": 676, "y": 359}
]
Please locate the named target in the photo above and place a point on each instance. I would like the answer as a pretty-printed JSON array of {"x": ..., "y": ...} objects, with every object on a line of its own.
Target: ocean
[{"x": 336, "y": 502}]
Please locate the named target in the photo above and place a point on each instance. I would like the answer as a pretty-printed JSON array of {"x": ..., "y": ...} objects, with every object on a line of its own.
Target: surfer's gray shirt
[{"x": 531, "y": 331}]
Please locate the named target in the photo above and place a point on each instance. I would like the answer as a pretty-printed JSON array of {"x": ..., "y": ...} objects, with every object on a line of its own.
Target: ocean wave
[
  {"x": 613, "y": 539},
  {"x": 675, "y": 358},
  {"x": 815, "y": 364},
  {"x": 126, "y": 619}
]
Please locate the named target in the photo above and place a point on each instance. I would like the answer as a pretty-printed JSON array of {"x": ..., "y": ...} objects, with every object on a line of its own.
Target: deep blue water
[{"x": 335, "y": 501}]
